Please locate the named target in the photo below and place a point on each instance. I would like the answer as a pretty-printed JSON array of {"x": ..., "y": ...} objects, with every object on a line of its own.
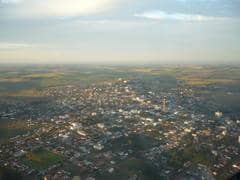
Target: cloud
[
  {"x": 57, "y": 8},
  {"x": 10, "y": 1},
  {"x": 15, "y": 46},
  {"x": 162, "y": 15}
]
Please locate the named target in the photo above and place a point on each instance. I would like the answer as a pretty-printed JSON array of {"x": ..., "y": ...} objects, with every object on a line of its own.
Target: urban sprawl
[{"x": 117, "y": 129}]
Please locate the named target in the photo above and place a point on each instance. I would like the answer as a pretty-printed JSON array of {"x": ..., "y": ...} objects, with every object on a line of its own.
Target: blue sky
[{"x": 120, "y": 31}]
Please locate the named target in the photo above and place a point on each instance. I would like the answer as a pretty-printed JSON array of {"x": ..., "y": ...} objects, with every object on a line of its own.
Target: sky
[{"x": 120, "y": 31}]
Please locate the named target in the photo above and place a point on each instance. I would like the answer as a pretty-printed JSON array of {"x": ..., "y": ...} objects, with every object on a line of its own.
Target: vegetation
[
  {"x": 41, "y": 159},
  {"x": 28, "y": 80},
  {"x": 10, "y": 129}
]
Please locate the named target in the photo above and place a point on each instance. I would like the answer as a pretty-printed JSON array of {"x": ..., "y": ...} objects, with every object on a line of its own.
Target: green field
[
  {"x": 9, "y": 129},
  {"x": 28, "y": 80},
  {"x": 41, "y": 159}
]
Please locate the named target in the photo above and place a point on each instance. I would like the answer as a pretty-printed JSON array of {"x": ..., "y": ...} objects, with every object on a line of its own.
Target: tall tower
[{"x": 164, "y": 108}]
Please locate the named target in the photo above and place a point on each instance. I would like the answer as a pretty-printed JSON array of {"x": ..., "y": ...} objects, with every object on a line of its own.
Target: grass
[
  {"x": 9, "y": 129},
  {"x": 29, "y": 80},
  {"x": 197, "y": 81},
  {"x": 25, "y": 93},
  {"x": 41, "y": 159},
  {"x": 44, "y": 75}
]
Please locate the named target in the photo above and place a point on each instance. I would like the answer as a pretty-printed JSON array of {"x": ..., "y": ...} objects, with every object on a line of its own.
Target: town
[{"x": 118, "y": 130}]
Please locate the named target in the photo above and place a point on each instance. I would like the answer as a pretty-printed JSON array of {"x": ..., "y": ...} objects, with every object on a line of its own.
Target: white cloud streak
[
  {"x": 10, "y": 1},
  {"x": 16, "y": 46},
  {"x": 161, "y": 15},
  {"x": 57, "y": 8}
]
